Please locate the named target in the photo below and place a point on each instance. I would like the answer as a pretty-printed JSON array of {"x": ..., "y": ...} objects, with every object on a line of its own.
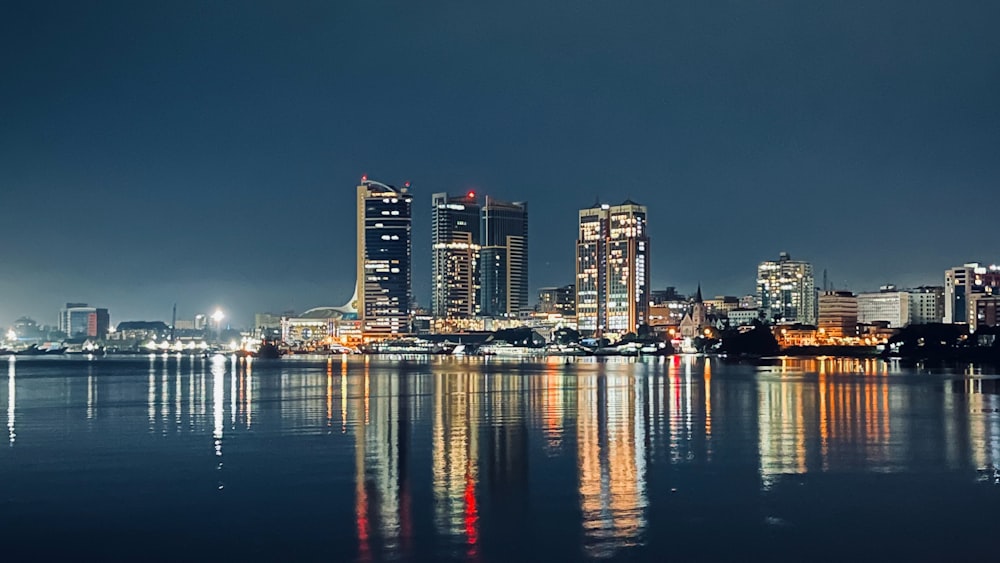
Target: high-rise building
[
  {"x": 503, "y": 259},
  {"x": 612, "y": 269},
  {"x": 560, "y": 300},
  {"x": 888, "y": 305},
  {"x": 383, "y": 259},
  {"x": 78, "y": 320},
  {"x": 838, "y": 314},
  {"x": 926, "y": 305},
  {"x": 455, "y": 223},
  {"x": 786, "y": 290},
  {"x": 961, "y": 282}
]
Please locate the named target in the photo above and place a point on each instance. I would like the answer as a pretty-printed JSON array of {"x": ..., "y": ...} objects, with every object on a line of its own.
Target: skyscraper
[
  {"x": 503, "y": 259},
  {"x": 612, "y": 269},
  {"x": 786, "y": 290},
  {"x": 383, "y": 267},
  {"x": 455, "y": 251}
]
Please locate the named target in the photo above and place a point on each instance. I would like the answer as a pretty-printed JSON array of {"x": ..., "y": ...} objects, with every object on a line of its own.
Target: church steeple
[{"x": 697, "y": 297}]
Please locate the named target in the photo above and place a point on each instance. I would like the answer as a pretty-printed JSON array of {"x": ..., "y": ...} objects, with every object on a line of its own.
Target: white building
[
  {"x": 741, "y": 317},
  {"x": 888, "y": 305},
  {"x": 926, "y": 305}
]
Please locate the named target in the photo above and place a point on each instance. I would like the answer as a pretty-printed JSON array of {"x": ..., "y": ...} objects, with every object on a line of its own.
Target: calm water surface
[{"x": 680, "y": 459}]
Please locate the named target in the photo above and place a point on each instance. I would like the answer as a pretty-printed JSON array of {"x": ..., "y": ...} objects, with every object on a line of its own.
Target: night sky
[{"x": 207, "y": 153}]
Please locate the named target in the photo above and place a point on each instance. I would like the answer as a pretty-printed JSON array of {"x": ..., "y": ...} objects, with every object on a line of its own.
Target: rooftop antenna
[{"x": 826, "y": 283}]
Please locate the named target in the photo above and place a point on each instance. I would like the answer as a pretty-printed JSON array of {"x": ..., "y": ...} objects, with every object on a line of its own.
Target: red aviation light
[
  {"x": 406, "y": 185},
  {"x": 472, "y": 194},
  {"x": 364, "y": 178}
]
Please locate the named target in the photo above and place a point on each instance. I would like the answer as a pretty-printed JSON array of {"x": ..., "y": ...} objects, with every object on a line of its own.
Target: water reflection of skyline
[
  {"x": 471, "y": 435},
  {"x": 612, "y": 461}
]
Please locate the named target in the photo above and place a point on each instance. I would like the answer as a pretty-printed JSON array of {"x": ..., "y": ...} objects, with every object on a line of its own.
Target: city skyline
[{"x": 146, "y": 161}]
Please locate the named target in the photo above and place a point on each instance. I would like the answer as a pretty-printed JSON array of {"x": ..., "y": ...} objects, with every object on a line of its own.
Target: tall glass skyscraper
[
  {"x": 455, "y": 252},
  {"x": 612, "y": 269},
  {"x": 786, "y": 290},
  {"x": 383, "y": 268},
  {"x": 503, "y": 259}
]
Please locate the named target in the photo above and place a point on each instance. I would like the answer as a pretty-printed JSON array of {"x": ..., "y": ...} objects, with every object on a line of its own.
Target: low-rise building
[
  {"x": 888, "y": 305},
  {"x": 140, "y": 330},
  {"x": 722, "y": 304},
  {"x": 742, "y": 317},
  {"x": 560, "y": 300},
  {"x": 838, "y": 315}
]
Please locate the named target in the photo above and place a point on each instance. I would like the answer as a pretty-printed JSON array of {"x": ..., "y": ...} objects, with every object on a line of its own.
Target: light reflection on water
[{"x": 460, "y": 458}]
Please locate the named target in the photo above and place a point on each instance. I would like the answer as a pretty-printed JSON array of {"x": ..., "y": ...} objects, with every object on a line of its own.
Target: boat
[
  {"x": 47, "y": 349},
  {"x": 404, "y": 346},
  {"x": 566, "y": 350},
  {"x": 506, "y": 350},
  {"x": 268, "y": 350}
]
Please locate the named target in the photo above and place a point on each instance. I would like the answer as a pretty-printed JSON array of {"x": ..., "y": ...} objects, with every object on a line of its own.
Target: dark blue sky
[{"x": 206, "y": 153}]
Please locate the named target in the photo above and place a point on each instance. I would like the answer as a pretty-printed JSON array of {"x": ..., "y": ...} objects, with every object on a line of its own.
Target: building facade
[
  {"x": 722, "y": 304},
  {"x": 786, "y": 290},
  {"x": 926, "y": 305},
  {"x": 560, "y": 300},
  {"x": 503, "y": 259},
  {"x": 612, "y": 269},
  {"x": 888, "y": 305},
  {"x": 986, "y": 311},
  {"x": 455, "y": 224},
  {"x": 78, "y": 319},
  {"x": 838, "y": 314},
  {"x": 742, "y": 317},
  {"x": 961, "y": 282},
  {"x": 384, "y": 258}
]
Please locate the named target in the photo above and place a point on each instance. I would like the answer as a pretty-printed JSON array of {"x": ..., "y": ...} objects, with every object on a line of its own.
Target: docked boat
[
  {"x": 268, "y": 350},
  {"x": 47, "y": 349},
  {"x": 404, "y": 346},
  {"x": 507, "y": 350},
  {"x": 566, "y": 350}
]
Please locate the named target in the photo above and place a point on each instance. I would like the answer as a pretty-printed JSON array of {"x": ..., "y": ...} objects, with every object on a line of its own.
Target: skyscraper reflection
[
  {"x": 611, "y": 462},
  {"x": 455, "y": 455},
  {"x": 11, "y": 399},
  {"x": 382, "y": 489},
  {"x": 218, "y": 402}
]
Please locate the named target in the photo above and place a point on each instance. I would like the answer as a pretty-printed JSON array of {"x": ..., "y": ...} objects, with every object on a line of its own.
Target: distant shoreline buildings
[{"x": 480, "y": 283}]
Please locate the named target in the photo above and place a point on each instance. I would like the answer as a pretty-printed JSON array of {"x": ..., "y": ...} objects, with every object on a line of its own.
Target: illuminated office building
[
  {"x": 786, "y": 290},
  {"x": 888, "y": 305},
  {"x": 612, "y": 269},
  {"x": 838, "y": 314},
  {"x": 561, "y": 300},
  {"x": 383, "y": 267},
  {"x": 961, "y": 282},
  {"x": 503, "y": 259},
  {"x": 455, "y": 252}
]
